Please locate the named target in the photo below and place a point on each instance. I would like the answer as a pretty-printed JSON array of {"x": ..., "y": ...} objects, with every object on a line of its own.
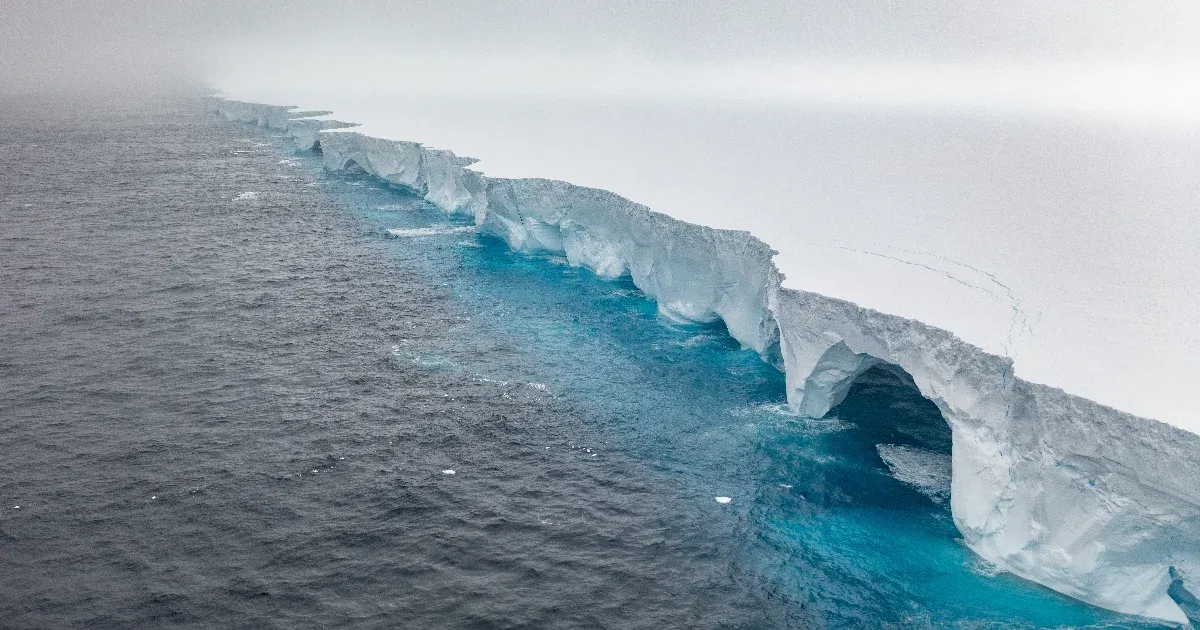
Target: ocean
[{"x": 239, "y": 391}]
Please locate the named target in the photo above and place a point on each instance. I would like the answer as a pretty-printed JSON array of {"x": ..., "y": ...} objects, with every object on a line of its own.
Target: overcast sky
[{"x": 58, "y": 43}]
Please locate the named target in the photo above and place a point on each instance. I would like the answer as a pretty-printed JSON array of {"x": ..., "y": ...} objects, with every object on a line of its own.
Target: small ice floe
[
  {"x": 447, "y": 472},
  {"x": 153, "y": 497},
  {"x": 929, "y": 472},
  {"x": 246, "y": 196},
  {"x": 724, "y": 499},
  {"x": 436, "y": 230},
  {"x": 16, "y": 507}
]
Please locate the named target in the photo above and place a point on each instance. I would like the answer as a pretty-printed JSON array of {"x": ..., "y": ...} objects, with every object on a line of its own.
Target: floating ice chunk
[
  {"x": 448, "y": 472},
  {"x": 724, "y": 499},
  {"x": 927, "y": 471},
  {"x": 435, "y": 230}
]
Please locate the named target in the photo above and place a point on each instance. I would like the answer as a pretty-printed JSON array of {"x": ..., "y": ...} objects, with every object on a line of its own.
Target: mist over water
[{"x": 1123, "y": 59}]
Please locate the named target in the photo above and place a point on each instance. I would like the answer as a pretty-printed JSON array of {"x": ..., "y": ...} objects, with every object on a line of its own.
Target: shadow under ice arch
[
  {"x": 836, "y": 372},
  {"x": 1087, "y": 500}
]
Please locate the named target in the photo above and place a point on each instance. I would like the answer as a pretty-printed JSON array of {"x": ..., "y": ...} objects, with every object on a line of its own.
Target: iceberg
[{"x": 1095, "y": 503}]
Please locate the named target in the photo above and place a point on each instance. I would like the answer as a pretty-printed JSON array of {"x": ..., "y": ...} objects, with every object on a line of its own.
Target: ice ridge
[{"x": 1090, "y": 501}]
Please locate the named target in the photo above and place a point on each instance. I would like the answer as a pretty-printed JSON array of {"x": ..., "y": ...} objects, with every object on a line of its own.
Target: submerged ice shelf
[{"x": 1092, "y": 502}]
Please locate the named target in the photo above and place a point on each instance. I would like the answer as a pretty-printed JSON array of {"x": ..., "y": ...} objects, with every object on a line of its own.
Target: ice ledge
[{"x": 1084, "y": 499}]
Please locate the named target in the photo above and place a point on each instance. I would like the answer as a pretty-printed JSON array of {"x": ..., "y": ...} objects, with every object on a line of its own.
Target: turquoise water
[{"x": 816, "y": 517}]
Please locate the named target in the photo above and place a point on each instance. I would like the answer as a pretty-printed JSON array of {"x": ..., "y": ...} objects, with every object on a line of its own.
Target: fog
[{"x": 1121, "y": 57}]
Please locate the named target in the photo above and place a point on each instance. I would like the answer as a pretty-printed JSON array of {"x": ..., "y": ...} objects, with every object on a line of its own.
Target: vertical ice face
[
  {"x": 694, "y": 273},
  {"x": 439, "y": 176},
  {"x": 1084, "y": 499},
  {"x": 301, "y": 126},
  {"x": 304, "y": 131}
]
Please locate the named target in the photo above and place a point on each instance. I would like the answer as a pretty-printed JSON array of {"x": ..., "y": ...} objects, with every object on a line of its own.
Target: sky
[{"x": 1136, "y": 57}]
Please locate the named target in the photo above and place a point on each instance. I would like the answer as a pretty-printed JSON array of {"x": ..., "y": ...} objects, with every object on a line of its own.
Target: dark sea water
[{"x": 229, "y": 397}]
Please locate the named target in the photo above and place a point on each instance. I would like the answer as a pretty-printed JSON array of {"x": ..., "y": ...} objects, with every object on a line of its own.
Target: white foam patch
[
  {"x": 435, "y": 230},
  {"x": 247, "y": 196},
  {"x": 448, "y": 472},
  {"x": 927, "y": 471}
]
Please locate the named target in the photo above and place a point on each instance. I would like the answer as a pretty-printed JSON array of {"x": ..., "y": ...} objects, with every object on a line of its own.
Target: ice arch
[
  {"x": 351, "y": 165},
  {"x": 895, "y": 429},
  {"x": 827, "y": 343},
  {"x": 1079, "y": 497},
  {"x": 836, "y": 372}
]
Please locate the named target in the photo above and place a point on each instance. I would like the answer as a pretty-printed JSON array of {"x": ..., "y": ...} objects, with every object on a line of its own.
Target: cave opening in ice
[{"x": 896, "y": 430}]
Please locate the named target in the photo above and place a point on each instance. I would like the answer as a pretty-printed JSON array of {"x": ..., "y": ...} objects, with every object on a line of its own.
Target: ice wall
[
  {"x": 1087, "y": 500},
  {"x": 301, "y": 126}
]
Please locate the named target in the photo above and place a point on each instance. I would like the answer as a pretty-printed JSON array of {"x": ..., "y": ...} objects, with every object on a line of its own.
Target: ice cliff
[{"x": 1092, "y": 502}]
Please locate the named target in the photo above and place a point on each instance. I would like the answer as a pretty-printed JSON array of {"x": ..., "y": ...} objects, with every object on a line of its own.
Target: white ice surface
[{"x": 1072, "y": 246}]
